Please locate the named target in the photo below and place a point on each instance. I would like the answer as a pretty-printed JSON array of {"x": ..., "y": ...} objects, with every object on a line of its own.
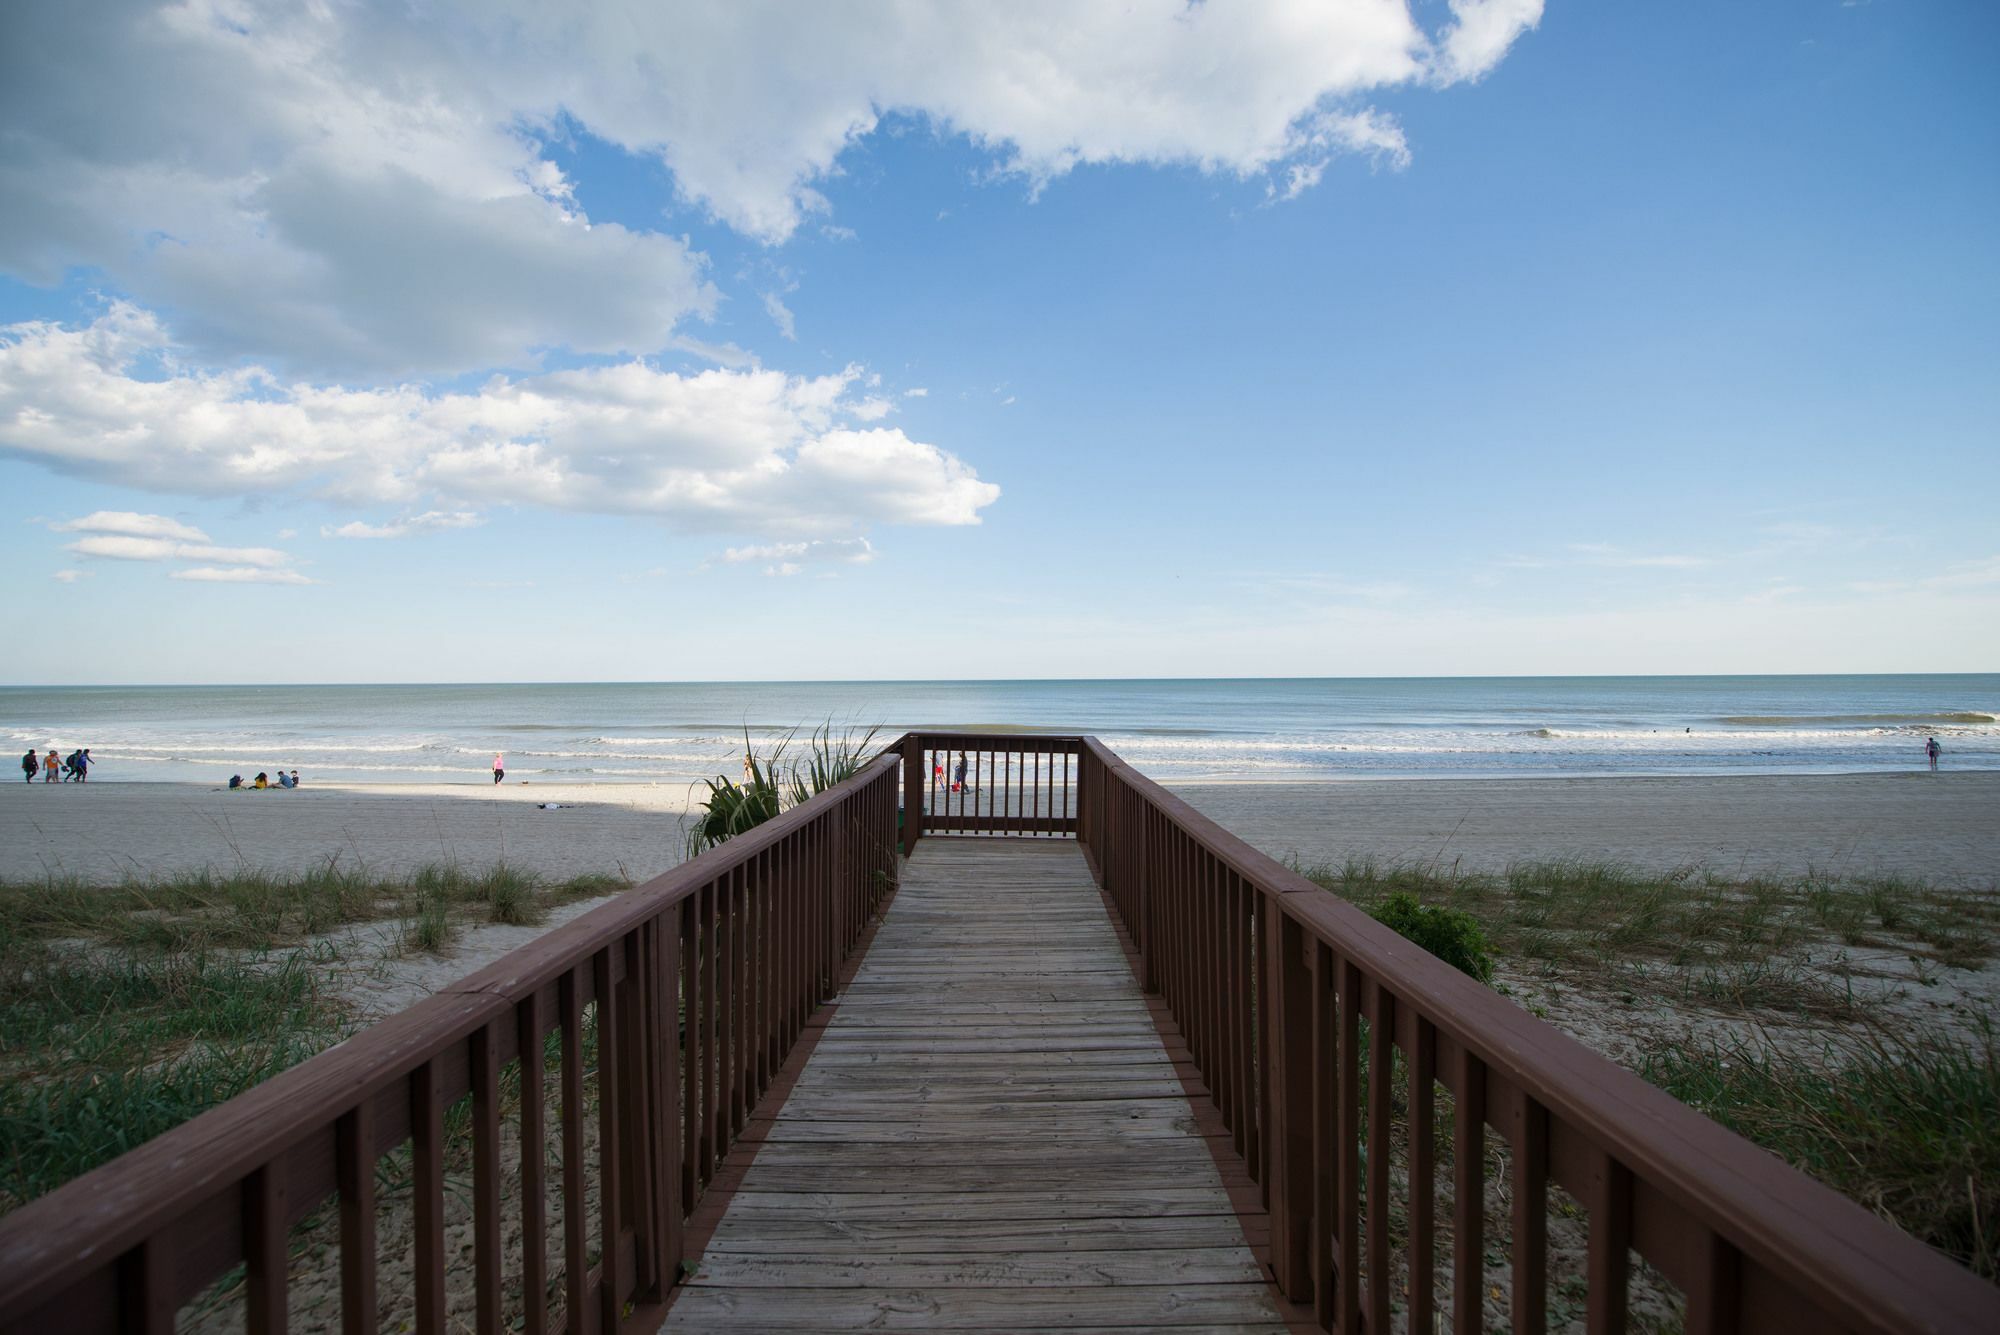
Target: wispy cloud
[
  {"x": 239, "y": 575},
  {"x": 430, "y": 521},
  {"x": 119, "y": 548},
  {"x": 781, "y": 315},
  {"x": 790, "y": 558},
  {"x": 123, "y": 535},
  {"x": 131, "y": 524}
]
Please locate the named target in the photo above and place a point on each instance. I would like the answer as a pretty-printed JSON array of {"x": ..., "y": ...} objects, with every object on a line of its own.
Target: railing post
[
  {"x": 1141, "y": 867},
  {"x": 1290, "y": 1070},
  {"x": 913, "y": 792}
]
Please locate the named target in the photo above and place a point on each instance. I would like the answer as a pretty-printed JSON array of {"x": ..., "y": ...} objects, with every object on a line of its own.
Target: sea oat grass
[
  {"x": 1604, "y": 921},
  {"x": 104, "y": 1050},
  {"x": 1905, "y": 1122}
]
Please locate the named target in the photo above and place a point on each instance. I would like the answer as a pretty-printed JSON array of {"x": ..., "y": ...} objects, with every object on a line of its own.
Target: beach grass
[
  {"x": 1904, "y": 1121},
  {"x": 104, "y": 1050},
  {"x": 1691, "y": 935},
  {"x": 256, "y": 910},
  {"x": 127, "y": 1010}
]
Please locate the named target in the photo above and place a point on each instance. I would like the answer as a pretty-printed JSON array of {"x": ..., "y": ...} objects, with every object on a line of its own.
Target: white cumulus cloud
[
  {"x": 1480, "y": 34},
  {"x": 751, "y": 450},
  {"x": 344, "y": 190}
]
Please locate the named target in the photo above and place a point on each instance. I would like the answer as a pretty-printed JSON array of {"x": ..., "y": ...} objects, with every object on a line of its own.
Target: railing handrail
[
  {"x": 119, "y": 1204},
  {"x": 1803, "y": 1231}
]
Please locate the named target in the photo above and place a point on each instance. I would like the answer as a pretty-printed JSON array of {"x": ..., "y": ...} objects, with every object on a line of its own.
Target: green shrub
[{"x": 1452, "y": 935}]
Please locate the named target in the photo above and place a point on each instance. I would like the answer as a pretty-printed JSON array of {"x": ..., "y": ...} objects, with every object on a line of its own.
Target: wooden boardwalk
[{"x": 989, "y": 1135}]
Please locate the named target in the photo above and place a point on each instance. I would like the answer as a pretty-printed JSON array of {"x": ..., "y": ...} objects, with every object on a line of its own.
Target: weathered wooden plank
[
  {"x": 1231, "y": 1264},
  {"x": 713, "y": 1307},
  {"x": 874, "y": 1206},
  {"x": 989, "y": 1135}
]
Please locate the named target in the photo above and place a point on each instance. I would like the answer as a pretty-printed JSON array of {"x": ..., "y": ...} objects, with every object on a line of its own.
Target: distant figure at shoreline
[
  {"x": 1933, "y": 750},
  {"x": 295, "y": 779},
  {"x": 78, "y": 765},
  {"x": 499, "y": 767},
  {"x": 284, "y": 779},
  {"x": 958, "y": 775},
  {"x": 52, "y": 767},
  {"x": 262, "y": 780},
  {"x": 31, "y": 764}
]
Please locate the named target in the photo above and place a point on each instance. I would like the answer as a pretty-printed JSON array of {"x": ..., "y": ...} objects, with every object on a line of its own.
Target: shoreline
[{"x": 1938, "y": 828}]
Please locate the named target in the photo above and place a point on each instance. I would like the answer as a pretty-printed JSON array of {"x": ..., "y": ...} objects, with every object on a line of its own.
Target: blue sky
[{"x": 1442, "y": 338}]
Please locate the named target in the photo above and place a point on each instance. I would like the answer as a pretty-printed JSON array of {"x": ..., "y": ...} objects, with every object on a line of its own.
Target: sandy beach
[
  {"x": 105, "y": 833},
  {"x": 1944, "y": 828}
]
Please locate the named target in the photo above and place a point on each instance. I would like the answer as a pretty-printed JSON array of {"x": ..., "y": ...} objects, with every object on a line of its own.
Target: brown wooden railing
[
  {"x": 977, "y": 783},
  {"x": 743, "y": 942},
  {"x": 1293, "y": 1003}
]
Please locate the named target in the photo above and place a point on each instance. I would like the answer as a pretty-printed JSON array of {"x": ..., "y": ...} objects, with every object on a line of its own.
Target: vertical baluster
[
  {"x": 1212, "y": 962},
  {"x": 264, "y": 1253},
  {"x": 760, "y": 978},
  {"x": 1227, "y": 1000},
  {"x": 354, "y": 1171},
  {"x": 714, "y": 1135},
  {"x": 1423, "y": 1177},
  {"x": 1712, "y": 1298},
  {"x": 534, "y": 1185},
  {"x": 730, "y": 1070},
  {"x": 672, "y": 1238},
  {"x": 637, "y": 1057},
  {"x": 1257, "y": 942},
  {"x": 690, "y": 1027},
  {"x": 1468, "y": 1276},
  {"x": 576, "y": 1256},
  {"x": 486, "y": 1179},
  {"x": 611, "y": 1078},
  {"x": 1347, "y": 1224},
  {"x": 145, "y": 1290},
  {"x": 1247, "y": 1122},
  {"x": 1238, "y": 987},
  {"x": 1295, "y": 1077},
  {"x": 1609, "y": 1200},
  {"x": 427, "y": 1176},
  {"x": 1327, "y": 1281},
  {"x": 1381, "y": 1031},
  {"x": 1531, "y": 1216}
]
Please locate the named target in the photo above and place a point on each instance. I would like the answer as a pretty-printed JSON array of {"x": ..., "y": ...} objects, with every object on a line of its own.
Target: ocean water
[{"x": 1178, "y": 731}]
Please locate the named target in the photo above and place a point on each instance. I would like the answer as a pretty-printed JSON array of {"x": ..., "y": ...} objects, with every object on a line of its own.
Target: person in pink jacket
[{"x": 499, "y": 767}]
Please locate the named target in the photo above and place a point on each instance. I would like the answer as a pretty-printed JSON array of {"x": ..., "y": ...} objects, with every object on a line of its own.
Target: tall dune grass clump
[
  {"x": 769, "y": 785},
  {"x": 1905, "y": 1121}
]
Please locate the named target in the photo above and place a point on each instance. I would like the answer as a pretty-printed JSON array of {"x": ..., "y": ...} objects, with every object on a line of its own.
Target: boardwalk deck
[{"x": 990, "y": 1134}]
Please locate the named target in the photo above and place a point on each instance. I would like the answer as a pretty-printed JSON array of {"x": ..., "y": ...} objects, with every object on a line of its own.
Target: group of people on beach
[
  {"x": 958, "y": 780},
  {"x": 264, "y": 780},
  {"x": 72, "y": 768}
]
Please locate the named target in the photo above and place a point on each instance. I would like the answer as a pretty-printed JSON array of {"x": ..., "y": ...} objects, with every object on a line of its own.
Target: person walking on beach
[
  {"x": 958, "y": 775},
  {"x": 31, "y": 765},
  {"x": 52, "y": 767},
  {"x": 1933, "y": 750},
  {"x": 499, "y": 767}
]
